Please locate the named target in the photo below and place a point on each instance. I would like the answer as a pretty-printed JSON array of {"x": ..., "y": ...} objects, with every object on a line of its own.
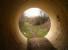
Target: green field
[{"x": 31, "y": 31}]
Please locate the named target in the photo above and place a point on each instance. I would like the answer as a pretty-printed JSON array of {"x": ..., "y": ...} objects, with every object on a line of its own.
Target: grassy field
[
  {"x": 31, "y": 31},
  {"x": 34, "y": 27}
]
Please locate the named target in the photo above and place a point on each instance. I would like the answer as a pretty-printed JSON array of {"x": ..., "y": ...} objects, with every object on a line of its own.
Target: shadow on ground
[{"x": 39, "y": 44}]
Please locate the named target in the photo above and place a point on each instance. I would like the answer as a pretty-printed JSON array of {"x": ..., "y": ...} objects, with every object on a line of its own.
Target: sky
[{"x": 32, "y": 12}]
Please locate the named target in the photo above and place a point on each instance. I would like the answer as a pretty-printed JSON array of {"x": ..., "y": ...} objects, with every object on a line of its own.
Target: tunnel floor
[{"x": 39, "y": 44}]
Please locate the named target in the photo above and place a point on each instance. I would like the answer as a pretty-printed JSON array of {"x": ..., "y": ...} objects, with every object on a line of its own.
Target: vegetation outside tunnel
[
  {"x": 33, "y": 27},
  {"x": 33, "y": 30}
]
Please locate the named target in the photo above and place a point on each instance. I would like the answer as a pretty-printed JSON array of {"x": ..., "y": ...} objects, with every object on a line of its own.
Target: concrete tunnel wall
[{"x": 10, "y": 36}]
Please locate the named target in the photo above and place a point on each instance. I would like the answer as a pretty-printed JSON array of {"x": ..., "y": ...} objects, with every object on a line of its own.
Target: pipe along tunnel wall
[{"x": 10, "y": 36}]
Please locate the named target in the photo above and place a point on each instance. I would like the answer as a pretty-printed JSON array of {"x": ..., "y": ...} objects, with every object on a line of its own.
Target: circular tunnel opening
[{"x": 34, "y": 23}]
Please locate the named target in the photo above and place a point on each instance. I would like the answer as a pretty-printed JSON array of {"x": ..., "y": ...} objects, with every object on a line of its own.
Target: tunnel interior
[{"x": 11, "y": 37}]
